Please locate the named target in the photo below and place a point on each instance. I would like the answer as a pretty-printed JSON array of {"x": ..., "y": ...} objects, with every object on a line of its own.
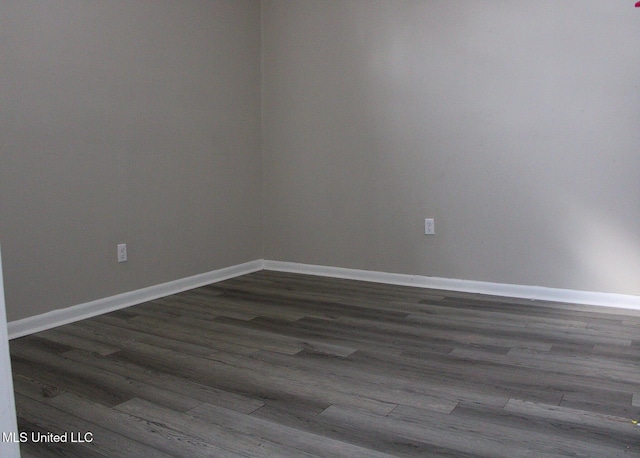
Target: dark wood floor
[{"x": 273, "y": 364}]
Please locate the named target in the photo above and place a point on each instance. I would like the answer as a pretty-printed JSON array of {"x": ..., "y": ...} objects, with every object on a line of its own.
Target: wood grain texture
[{"x": 276, "y": 364}]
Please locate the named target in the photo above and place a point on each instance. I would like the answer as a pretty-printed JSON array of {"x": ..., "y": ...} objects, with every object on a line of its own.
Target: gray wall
[
  {"x": 514, "y": 124},
  {"x": 125, "y": 121}
]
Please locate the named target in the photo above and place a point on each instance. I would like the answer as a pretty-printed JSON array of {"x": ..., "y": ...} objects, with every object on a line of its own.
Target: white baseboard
[
  {"x": 78, "y": 312},
  {"x": 537, "y": 293}
]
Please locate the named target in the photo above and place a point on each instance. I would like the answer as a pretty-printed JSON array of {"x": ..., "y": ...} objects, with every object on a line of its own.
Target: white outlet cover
[
  {"x": 429, "y": 226},
  {"x": 122, "y": 252}
]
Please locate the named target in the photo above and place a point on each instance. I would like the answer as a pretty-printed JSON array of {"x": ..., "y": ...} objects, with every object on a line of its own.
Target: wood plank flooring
[{"x": 275, "y": 364}]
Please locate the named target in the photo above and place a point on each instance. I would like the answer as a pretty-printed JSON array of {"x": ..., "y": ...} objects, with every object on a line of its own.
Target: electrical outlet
[
  {"x": 429, "y": 226},
  {"x": 122, "y": 252}
]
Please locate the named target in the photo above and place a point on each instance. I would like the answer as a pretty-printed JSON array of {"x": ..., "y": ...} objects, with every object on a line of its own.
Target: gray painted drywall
[
  {"x": 125, "y": 122},
  {"x": 513, "y": 124}
]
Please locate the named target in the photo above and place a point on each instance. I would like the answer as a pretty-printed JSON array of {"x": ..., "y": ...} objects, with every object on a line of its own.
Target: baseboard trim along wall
[
  {"x": 537, "y": 293},
  {"x": 78, "y": 312},
  {"x": 56, "y": 318}
]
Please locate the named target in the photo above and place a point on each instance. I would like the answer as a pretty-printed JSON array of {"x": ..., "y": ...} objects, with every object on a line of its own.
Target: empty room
[{"x": 319, "y": 228}]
